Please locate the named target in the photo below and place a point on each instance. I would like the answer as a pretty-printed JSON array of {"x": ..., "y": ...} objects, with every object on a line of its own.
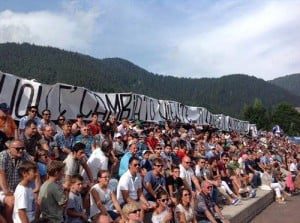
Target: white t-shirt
[
  {"x": 24, "y": 199},
  {"x": 97, "y": 161},
  {"x": 127, "y": 182},
  {"x": 187, "y": 175},
  {"x": 189, "y": 213},
  {"x": 158, "y": 218},
  {"x": 105, "y": 197}
]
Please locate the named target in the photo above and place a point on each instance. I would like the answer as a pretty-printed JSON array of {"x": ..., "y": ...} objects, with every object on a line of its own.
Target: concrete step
[{"x": 245, "y": 211}]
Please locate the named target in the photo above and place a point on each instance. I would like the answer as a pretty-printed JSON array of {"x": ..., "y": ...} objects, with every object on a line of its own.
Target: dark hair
[
  {"x": 39, "y": 153},
  {"x": 95, "y": 113},
  {"x": 160, "y": 194},
  {"x": 173, "y": 167},
  {"x": 29, "y": 123},
  {"x": 78, "y": 146},
  {"x": 157, "y": 160},
  {"x": 55, "y": 166},
  {"x": 31, "y": 107},
  {"x": 100, "y": 172},
  {"x": 106, "y": 146},
  {"x": 45, "y": 110},
  {"x": 132, "y": 159},
  {"x": 180, "y": 193},
  {"x": 75, "y": 178},
  {"x": 68, "y": 122},
  {"x": 25, "y": 167}
]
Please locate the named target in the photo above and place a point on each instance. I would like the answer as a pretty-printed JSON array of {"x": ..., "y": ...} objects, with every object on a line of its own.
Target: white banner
[{"x": 67, "y": 100}]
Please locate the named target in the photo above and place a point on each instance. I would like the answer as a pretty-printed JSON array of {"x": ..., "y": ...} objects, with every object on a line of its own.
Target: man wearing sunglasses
[
  {"x": 129, "y": 189},
  {"x": 10, "y": 161},
  {"x": 206, "y": 210},
  {"x": 187, "y": 174},
  {"x": 32, "y": 112},
  {"x": 154, "y": 181}
]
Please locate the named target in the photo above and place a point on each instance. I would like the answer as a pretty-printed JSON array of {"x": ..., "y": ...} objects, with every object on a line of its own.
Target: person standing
[{"x": 52, "y": 197}]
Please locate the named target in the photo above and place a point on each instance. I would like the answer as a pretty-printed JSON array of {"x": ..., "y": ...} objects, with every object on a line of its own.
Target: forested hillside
[
  {"x": 226, "y": 95},
  {"x": 290, "y": 83}
]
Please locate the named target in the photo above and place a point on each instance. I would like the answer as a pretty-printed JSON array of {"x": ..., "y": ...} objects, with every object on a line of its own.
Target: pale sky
[{"x": 187, "y": 38}]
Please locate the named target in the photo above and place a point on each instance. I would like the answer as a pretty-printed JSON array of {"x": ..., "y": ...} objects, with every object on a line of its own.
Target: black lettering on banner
[
  {"x": 13, "y": 97},
  {"x": 115, "y": 109},
  {"x": 125, "y": 106},
  {"x": 2, "y": 82},
  {"x": 104, "y": 114},
  {"x": 60, "y": 88},
  {"x": 81, "y": 105},
  {"x": 47, "y": 97},
  {"x": 180, "y": 112},
  {"x": 187, "y": 113},
  {"x": 201, "y": 117},
  {"x": 161, "y": 105},
  {"x": 146, "y": 109},
  {"x": 152, "y": 109},
  {"x": 20, "y": 97},
  {"x": 137, "y": 106},
  {"x": 172, "y": 112},
  {"x": 39, "y": 94}
]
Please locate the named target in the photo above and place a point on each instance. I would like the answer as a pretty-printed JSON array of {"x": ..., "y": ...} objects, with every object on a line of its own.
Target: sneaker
[
  {"x": 235, "y": 201},
  {"x": 252, "y": 193}
]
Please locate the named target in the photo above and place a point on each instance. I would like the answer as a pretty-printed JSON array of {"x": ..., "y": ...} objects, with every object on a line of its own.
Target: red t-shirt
[{"x": 95, "y": 128}]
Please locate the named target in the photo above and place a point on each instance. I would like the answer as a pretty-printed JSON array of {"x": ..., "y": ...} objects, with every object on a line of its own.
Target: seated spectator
[
  {"x": 42, "y": 161},
  {"x": 24, "y": 208},
  {"x": 184, "y": 211},
  {"x": 133, "y": 213},
  {"x": 46, "y": 121},
  {"x": 87, "y": 139},
  {"x": 31, "y": 138},
  {"x": 118, "y": 145},
  {"x": 268, "y": 183},
  {"x": 154, "y": 181},
  {"x": 103, "y": 200},
  {"x": 78, "y": 125},
  {"x": 32, "y": 112},
  {"x": 49, "y": 143},
  {"x": 65, "y": 140},
  {"x": 52, "y": 197},
  {"x": 98, "y": 159},
  {"x": 206, "y": 209},
  {"x": 74, "y": 209},
  {"x": 174, "y": 183},
  {"x": 10, "y": 161},
  {"x": 130, "y": 186},
  {"x": 74, "y": 161},
  {"x": 94, "y": 125},
  {"x": 162, "y": 212},
  {"x": 145, "y": 163},
  {"x": 187, "y": 174},
  {"x": 125, "y": 158},
  {"x": 60, "y": 123},
  {"x": 7, "y": 124}
]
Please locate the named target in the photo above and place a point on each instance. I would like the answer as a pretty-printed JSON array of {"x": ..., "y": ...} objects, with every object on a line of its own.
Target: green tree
[
  {"x": 287, "y": 117},
  {"x": 257, "y": 114}
]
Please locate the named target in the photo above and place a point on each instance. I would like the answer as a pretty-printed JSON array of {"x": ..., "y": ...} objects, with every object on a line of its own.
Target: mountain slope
[
  {"x": 225, "y": 95},
  {"x": 290, "y": 83}
]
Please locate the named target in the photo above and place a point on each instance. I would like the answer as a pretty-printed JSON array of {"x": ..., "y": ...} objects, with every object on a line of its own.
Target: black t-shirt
[{"x": 176, "y": 183}]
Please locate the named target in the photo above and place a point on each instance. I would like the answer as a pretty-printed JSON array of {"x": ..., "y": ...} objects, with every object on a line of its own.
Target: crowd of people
[{"x": 130, "y": 171}]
